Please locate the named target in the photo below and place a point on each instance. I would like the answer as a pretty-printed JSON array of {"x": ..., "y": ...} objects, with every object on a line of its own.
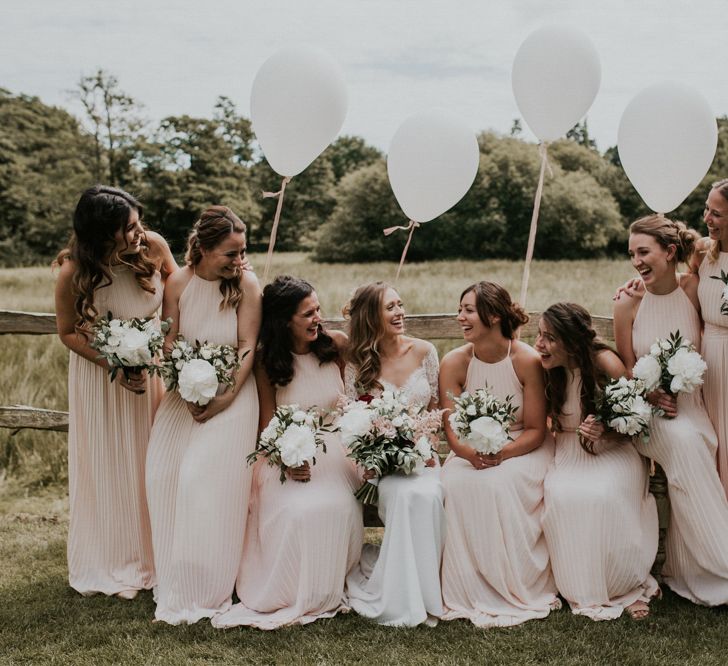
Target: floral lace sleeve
[
  {"x": 350, "y": 382},
  {"x": 432, "y": 369}
]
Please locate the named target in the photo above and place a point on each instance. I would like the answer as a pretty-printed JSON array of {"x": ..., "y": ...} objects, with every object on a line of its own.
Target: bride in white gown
[{"x": 398, "y": 583}]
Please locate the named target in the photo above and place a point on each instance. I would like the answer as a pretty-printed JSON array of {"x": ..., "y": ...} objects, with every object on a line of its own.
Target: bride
[{"x": 398, "y": 583}]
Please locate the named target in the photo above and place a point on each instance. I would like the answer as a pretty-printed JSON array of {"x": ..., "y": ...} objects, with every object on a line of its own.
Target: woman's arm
[
  {"x": 249, "y": 317},
  {"x": 453, "y": 372},
  {"x": 341, "y": 340},
  {"x": 624, "y": 313},
  {"x": 161, "y": 254},
  {"x": 528, "y": 369},
  {"x": 611, "y": 365},
  {"x": 266, "y": 395}
]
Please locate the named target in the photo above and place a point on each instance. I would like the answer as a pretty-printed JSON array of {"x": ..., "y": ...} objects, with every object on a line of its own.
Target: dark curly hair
[
  {"x": 281, "y": 299},
  {"x": 572, "y": 326}
]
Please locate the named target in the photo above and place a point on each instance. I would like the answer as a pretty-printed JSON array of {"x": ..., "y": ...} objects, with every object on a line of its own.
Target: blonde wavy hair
[
  {"x": 714, "y": 248},
  {"x": 215, "y": 224},
  {"x": 366, "y": 330},
  {"x": 100, "y": 213}
]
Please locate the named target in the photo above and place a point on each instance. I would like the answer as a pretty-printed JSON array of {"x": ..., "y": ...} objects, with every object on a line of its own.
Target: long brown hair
[
  {"x": 714, "y": 250},
  {"x": 493, "y": 300},
  {"x": 101, "y": 212},
  {"x": 366, "y": 330},
  {"x": 572, "y": 326},
  {"x": 215, "y": 224}
]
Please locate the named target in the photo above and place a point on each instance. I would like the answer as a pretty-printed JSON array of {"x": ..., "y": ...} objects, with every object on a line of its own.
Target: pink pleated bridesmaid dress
[
  {"x": 302, "y": 538},
  {"x": 109, "y": 538},
  {"x": 599, "y": 520},
  {"x": 198, "y": 483},
  {"x": 495, "y": 567},
  {"x": 714, "y": 349},
  {"x": 696, "y": 565}
]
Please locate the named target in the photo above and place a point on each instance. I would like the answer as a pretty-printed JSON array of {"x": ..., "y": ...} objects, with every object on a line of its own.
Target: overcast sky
[{"x": 399, "y": 56}]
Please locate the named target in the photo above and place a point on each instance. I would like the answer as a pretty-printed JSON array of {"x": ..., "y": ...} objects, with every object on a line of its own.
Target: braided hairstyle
[
  {"x": 215, "y": 224},
  {"x": 572, "y": 326}
]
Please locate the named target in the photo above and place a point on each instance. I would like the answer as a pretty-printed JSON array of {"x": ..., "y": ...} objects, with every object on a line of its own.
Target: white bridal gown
[{"x": 398, "y": 583}]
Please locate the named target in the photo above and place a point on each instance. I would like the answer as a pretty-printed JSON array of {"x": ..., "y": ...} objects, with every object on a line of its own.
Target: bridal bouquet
[
  {"x": 129, "y": 345},
  {"x": 388, "y": 436},
  {"x": 724, "y": 296},
  {"x": 196, "y": 370},
  {"x": 482, "y": 420},
  {"x": 291, "y": 438},
  {"x": 673, "y": 364},
  {"x": 622, "y": 406}
]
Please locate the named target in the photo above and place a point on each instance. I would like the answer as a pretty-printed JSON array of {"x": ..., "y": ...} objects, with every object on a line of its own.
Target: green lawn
[{"x": 42, "y": 621}]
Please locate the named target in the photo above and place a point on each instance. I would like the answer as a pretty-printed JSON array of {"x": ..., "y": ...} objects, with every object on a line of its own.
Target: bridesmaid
[
  {"x": 302, "y": 538},
  {"x": 710, "y": 259},
  {"x": 696, "y": 565},
  {"x": 495, "y": 569},
  {"x": 111, "y": 264},
  {"x": 399, "y": 583},
  {"x": 197, "y": 481},
  {"x": 600, "y": 522}
]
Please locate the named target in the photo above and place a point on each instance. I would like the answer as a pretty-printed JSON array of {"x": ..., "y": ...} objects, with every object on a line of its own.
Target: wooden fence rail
[{"x": 430, "y": 327}]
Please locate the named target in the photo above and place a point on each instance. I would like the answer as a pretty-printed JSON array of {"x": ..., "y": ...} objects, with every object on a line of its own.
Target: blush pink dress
[
  {"x": 302, "y": 538},
  {"x": 600, "y": 520},
  {"x": 715, "y": 352},
  {"x": 495, "y": 568},
  {"x": 696, "y": 565},
  {"x": 109, "y": 538},
  {"x": 198, "y": 482}
]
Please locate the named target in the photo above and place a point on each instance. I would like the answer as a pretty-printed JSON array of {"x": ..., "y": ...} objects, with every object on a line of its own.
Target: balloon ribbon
[
  {"x": 276, "y": 219},
  {"x": 411, "y": 227},
  {"x": 534, "y": 223}
]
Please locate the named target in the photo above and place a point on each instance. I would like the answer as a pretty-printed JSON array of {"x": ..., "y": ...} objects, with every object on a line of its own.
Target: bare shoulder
[
  {"x": 459, "y": 357},
  {"x": 526, "y": 361},
  {"x": 249, "y": 282},
  {"x": 156, "y": 242},
  {"x": 421, "y": 347},
  {"x": 341, "y": 339},
  {"x": 610, "y": 363},
  {"x": 178, "y": 280},
  {"x": 67, "y": 270},
  {"x": 689, "y": 281}
]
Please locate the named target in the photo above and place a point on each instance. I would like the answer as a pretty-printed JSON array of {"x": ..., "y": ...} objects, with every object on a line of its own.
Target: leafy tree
[
  {"x": 117, "y": 130},
  {"x": 44, "y": 160},
  {"x": 349, "y": 153},
  {"x": 579, "y": 133}
]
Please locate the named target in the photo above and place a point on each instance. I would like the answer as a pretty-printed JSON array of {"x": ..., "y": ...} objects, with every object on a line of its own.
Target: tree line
[{"x": 336, "y": 209}]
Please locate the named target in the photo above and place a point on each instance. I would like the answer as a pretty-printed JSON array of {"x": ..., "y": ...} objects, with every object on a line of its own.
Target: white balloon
[
  {"x": 666, "y": 140},
  {"x": 555, "y": 78},
  {"x": 432, "y": 162},
  {"x": 297, "y": 106}
]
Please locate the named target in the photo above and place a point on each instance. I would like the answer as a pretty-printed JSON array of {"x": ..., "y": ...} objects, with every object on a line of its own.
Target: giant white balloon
[
  {"x": 432, "y": 162},
  {"x": 555, "y": 78},
  {"x": 666, "y": 140},
  {"x": 297, "y": 106}
]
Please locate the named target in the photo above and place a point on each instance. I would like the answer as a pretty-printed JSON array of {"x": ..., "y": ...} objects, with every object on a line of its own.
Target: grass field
[{"x": 43, "y": 621}]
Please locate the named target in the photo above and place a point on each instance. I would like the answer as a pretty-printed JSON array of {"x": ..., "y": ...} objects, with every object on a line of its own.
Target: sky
[{"x": 399, "y": 57}]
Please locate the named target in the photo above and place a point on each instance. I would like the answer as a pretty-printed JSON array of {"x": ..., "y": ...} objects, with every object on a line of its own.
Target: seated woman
[
  {"x": 399, "y": 583},
  {"x": 495, "y": 569},
  {"x": 302, "y": 538},
  {"x": 600, "y": 522}
]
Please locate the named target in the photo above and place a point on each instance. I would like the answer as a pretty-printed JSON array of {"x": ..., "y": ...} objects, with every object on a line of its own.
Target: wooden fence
[{"x": 430, "y": 327}]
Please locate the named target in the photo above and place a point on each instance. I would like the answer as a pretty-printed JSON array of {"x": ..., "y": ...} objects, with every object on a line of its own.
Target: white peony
[
  {"x": 648, "y": 370},
  {"x": 424, "y": 448},
  {"x": 471, "y": 410},
  {"x": 687, "y": 369},
  {"x": 197, "y": 381},
  {"x": 355, "y": 423},
  {"x": 133, "y": 349},
  {"x": 487, "y": 435},
  {"x": 297, "y": 445},
  {"x": 206, "y": 353},
  {"x": 639, "y": 413},
  {"x": 176, "y": 353},
  {"x": 298, "y": 416}
]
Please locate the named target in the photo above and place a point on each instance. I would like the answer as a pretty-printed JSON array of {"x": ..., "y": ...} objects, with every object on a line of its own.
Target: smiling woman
[{"x": 197, "y": 482}]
